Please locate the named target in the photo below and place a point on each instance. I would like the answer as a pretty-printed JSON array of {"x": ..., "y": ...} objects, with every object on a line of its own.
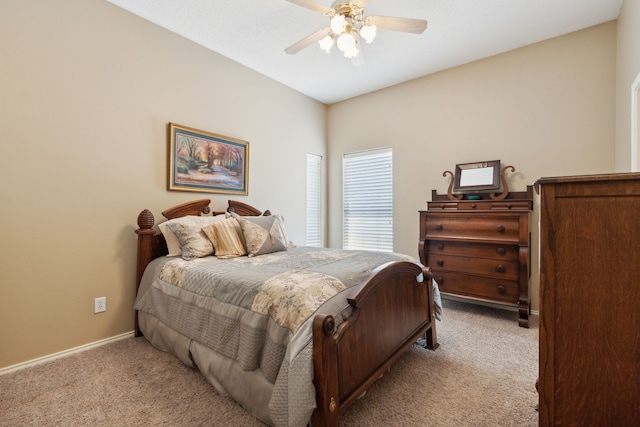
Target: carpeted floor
[{"x": 483, "y": 374}]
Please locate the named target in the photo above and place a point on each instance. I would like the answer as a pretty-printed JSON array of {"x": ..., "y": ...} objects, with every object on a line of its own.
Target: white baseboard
[{"x": 64, "y": 353}]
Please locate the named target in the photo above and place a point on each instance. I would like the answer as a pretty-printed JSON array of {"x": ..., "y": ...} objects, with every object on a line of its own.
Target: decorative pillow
[
  {"x": 225, "y": 237},
  {"x": 263, "y": 234},
  {"x": 173, "y": 244},
  {"x": 172, "y": 241},
  {"x": 284, "y": 231},
  {"x": 193, "y": 241}
]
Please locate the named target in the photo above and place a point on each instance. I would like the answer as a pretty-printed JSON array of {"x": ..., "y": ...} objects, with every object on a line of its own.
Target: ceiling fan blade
[
  {"x": 310, "y": 4},
  {"x": 407, "y": 25},
  {"x": 360, "y": 3},
  {"x": 297, "y": 47}
]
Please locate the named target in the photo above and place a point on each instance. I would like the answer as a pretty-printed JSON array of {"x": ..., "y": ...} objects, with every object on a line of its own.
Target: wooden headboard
[{"x": 243, "y": 209}]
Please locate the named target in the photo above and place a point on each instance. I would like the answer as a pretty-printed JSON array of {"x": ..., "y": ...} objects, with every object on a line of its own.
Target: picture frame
[
  {"x": 206, "y": 162},
  {"x": 477, "y": 177}
]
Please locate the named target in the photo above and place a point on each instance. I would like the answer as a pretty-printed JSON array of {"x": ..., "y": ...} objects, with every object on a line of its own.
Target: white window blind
[
  {"x": 314, "y": 208},
  {"x": 368, "y": 200}
]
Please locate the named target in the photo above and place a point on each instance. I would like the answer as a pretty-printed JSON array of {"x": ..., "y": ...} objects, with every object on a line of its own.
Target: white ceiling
[{"x": 256, "y": 32}]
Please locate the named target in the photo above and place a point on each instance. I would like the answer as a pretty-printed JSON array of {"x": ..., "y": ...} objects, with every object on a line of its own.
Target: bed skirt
[{"x": 248, "y": 388}]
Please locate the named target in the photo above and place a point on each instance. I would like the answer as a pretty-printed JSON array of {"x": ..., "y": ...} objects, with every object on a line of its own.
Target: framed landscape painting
[{"x": 206, "y": 162}]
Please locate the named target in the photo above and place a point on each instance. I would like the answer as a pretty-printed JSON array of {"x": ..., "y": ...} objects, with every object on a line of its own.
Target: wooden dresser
[
  {"x": 589, "y": 296},
  {"x": 479, "y": 249}
]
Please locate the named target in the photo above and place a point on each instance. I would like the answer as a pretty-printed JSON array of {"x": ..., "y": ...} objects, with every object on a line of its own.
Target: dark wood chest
[
  {"x": 589, "y": 295},
  {"x": 479, "y": 249}
]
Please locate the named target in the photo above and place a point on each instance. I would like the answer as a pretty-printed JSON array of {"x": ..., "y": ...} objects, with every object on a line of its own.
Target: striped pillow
[{"x": 225, "y": 237}]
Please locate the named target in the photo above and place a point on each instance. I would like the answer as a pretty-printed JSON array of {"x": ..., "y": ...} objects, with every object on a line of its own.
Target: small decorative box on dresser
[
  {"x": 589, "y": 296},
  {"x": 479, "y": 249}
]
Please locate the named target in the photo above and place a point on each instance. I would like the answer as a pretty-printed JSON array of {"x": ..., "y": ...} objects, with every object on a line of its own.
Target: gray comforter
[{"x": 255, "y": 315}]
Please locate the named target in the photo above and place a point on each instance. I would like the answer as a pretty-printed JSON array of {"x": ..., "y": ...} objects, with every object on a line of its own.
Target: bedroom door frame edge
[{"x": 635, "y": 100}]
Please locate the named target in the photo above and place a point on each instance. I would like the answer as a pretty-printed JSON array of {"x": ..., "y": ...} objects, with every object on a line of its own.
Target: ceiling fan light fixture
[
  {"x": 326, "y": 43},
  {"x": 348, "y": 25},
  {"x": 338, "y": 24},
  {"x": 348, "y": 45},
  {"x": 368, "y": 33}
]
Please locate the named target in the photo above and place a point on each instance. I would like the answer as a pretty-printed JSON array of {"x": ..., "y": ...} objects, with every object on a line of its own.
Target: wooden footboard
[{"x": 390, "y": 312}]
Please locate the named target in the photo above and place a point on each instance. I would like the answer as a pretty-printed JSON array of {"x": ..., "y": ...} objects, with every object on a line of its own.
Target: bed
[{"x": 306, "y": 331}]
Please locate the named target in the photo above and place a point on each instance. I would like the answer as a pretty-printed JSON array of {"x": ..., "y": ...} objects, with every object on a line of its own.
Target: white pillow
[{"x": 173, "y": 244}]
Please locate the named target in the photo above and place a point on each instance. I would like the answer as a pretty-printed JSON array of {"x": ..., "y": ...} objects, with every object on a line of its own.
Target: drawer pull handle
[
  {"x": 500, "y": 268},
  {"x": 438, "y": 227},
  {"x": 440, "y": 262},
  {"x": 501, "y": 289},
  {"x": 501, "y": 250},
  {"x": 440, "y": 280},
  {"x": 473, "y": 205},
  {"x": 440, "y": 245},
  {"x": 500, "y": 228}
]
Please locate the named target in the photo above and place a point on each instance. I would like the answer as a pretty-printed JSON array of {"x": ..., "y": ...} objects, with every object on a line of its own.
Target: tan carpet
[{"x": 483, "y": 374}]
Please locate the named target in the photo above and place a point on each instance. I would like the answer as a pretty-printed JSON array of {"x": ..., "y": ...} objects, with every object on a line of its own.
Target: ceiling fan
[{"x": 348, "y": 25}]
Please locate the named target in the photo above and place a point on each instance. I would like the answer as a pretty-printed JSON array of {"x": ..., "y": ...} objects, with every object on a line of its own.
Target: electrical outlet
[{"x": 100, "y": 305}]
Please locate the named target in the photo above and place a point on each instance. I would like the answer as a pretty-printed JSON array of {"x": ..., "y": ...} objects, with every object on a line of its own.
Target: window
[
  {"x": 368, "y": 200},
  {"x": 314, "y": 208}
]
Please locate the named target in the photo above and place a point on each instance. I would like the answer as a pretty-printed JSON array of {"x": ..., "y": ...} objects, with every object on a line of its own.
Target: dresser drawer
[
  {"x": 481, "y": 250},
  {"x": 509, "y": 205},
  {"x": 477, "y": 227},
  {"x": 504, "y": 291},
  {"x": 480, "y": 205},
  {"x": 499, "y": 269}
]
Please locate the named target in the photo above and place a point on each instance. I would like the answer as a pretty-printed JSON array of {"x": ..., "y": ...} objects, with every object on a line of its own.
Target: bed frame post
[
  {"x": 145, "y": 234},
  {"x": 431, "y": 336},
  {"x": 325, "y": 372}
]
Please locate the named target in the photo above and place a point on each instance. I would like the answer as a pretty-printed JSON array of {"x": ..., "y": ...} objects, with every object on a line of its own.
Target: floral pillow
[
  {"x": 173, "y": 244},
  {"x": 263, "y": 234},
  {"x": 193, "y": 241}
]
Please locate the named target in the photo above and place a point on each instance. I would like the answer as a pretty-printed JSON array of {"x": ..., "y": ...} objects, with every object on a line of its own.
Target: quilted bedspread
[{"x": 257, "y": 311}]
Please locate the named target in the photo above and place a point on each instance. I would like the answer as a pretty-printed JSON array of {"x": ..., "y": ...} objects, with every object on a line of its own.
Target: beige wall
[
  {"x": 547, "y": 109},
  {"x": 628, "y": 71},
  {"x": 86, "y": 92}
]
